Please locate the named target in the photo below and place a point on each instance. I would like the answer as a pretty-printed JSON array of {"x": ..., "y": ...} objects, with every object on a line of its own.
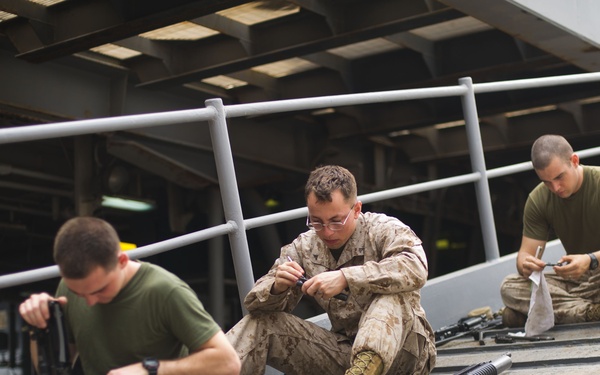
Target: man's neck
[
  {"x": 130, "y": 269},
  {"x": 579, "y": 171}
]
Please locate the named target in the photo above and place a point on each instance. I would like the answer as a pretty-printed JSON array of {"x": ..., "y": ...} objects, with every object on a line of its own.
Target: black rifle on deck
[
  {"x": 469, "y": 326},
  {"x": 53, "y": 344},
  {"x": 494, "y": 367}
]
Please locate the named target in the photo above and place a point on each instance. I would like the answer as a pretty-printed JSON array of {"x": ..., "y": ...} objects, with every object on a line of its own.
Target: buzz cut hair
[
  {"x": 84, "y": 243},
  {"x": 324, "y": 180},
  {"x": 548, "y": 147}
]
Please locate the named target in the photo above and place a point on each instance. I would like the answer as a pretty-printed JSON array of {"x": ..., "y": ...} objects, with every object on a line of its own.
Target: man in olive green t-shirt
[
  {"x": 565, "y": 204},
  {"x": 127, "y": 317}
]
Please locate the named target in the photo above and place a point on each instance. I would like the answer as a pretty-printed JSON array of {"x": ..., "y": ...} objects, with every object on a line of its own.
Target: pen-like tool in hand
[
  {"x": 539, "y": 252},
  {"x": 302, "y": 279},
  {"x": 560, "y": 264}
]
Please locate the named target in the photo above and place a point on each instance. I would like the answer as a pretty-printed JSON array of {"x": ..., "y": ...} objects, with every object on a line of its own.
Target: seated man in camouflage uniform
[{"x": 375, "y": 260}]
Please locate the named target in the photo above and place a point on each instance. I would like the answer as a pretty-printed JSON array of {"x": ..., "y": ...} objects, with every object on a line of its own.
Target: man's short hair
[
  {"x": 547, "y": 147},
  {"x": 326, "y": 179},
  {"x": 84, "y": 243}
]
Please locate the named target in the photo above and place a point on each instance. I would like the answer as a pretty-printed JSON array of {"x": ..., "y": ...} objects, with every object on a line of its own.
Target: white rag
[{"x": 541, "y": 314}]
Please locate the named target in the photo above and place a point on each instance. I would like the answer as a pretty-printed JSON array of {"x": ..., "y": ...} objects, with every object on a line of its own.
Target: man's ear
[
  {"x": 575, "y": 160},
  {"x": 357, "y": 207},
  {"x": 123, "y": 259}
]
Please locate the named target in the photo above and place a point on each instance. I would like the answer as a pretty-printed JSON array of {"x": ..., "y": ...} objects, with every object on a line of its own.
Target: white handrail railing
[{"x": 235, "y": 226}]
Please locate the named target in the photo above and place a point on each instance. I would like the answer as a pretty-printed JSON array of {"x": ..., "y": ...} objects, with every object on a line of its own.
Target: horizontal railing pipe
[
  {"x": 26, "y": 277},
  {"x": 509, "y": 169},
  {"x": 526, "y": 166},
  {"x": 532, "y": 83},
  {"x": 183, "y": 240},
  {"x": 18, "y": 278},
  {"x": 102, "y": 125},
  {"x": 297, "y": 213},
  {"x": 253, "y": 109},
  {"x": 275, "y": 218},
  {"x": 79, "y": 127},
  {"x": 420, "y": 187},
  {"x": 588, "y": 152}
]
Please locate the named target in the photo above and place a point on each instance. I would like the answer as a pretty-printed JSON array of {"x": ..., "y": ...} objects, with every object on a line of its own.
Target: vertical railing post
[
  {"x": 482, "y": 188},
  {"x": 232, "y": 206},
  {"x": 216, "y": 260}
]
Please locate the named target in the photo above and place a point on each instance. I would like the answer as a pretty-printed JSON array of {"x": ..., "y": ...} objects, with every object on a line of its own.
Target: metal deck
[{"x": 575, "y": 350}]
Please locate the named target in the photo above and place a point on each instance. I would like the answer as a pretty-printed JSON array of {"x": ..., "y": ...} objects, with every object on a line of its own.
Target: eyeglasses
[{"x": 333, "y": 226}]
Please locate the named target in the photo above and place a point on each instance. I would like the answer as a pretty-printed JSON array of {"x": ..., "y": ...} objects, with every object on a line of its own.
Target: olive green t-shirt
[
  {"x": 574, "y": 220},
  {"x": 156, "y": 314}
]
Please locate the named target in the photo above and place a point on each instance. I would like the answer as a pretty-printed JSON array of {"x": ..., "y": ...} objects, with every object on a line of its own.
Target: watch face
[{"x": 150, "y": 364}]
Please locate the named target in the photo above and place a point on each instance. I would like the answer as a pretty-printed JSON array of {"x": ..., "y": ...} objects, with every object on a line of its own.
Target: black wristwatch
[
  {"x": 151, "y": 365},
  {"x": 594, "y": 261}
]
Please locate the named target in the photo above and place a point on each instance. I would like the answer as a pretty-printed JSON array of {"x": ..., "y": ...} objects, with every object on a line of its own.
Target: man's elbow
[
  {"x": 233, "y": 365},
  {"x": 231, "y": 361},
  {"x": 421, "y": 277}
]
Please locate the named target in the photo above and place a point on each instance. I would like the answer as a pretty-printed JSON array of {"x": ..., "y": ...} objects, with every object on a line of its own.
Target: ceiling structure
[{"x": 70, "y": 59}]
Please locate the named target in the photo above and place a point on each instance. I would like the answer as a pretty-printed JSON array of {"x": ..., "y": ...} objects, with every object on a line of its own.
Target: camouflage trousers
[
  {"x": 571, "y": 299},
  {"x": 298, "y": 347}
]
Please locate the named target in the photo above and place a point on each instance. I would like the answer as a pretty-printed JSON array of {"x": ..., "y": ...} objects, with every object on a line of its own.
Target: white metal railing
[{"x": 235, "y": 225}]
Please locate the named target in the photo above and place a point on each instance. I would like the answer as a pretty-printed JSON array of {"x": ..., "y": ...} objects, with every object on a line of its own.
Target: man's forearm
[
  {"x": 520, "y": 258},
  {"x": 208, "y": 363},
  {"x": 216, "y": 357}
]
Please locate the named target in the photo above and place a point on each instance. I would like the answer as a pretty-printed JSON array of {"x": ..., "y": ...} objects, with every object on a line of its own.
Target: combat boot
[
  {"x": 366, "y": 363},
  {"x": 512, "y": 318}
]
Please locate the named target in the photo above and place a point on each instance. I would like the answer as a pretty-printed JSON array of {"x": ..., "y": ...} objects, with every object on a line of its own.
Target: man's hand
[
  {"x": 35, "y": 309},
  {"x": 530, "y": 265},
  {"x": 326, "y": 284},
  {"x": 286, "y": 276},
  {"x": 577, "y": 265},
  {"x": 527, "y": 263}
]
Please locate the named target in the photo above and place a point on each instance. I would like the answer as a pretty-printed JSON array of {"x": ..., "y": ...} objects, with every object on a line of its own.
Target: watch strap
[{"x": 593, "y": 261}]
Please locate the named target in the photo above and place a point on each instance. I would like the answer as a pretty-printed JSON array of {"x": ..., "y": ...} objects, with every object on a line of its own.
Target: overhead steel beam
[
  {"x": 26, "y": 9},
  {"x": 305, "y": 48},
  {"x": 81, "y": 25}
]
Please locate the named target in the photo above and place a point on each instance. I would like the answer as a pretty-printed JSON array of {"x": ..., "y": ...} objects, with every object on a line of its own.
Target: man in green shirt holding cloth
[{"x": 566, "y": 204}]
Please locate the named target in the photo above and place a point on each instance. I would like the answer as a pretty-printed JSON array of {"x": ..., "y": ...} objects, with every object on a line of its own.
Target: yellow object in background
[{"x": 128, "y": 246}]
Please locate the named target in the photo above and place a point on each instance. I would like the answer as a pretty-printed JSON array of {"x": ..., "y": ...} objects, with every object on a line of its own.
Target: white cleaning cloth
[{"x": 541, "y": 315}]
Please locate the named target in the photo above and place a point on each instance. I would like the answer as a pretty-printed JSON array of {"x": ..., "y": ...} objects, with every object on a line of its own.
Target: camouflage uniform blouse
[{"x": 383, "y": 256}]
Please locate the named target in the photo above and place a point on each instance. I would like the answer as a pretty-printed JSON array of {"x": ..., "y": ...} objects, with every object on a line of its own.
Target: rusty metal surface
[{"x": 575, "y": 349}]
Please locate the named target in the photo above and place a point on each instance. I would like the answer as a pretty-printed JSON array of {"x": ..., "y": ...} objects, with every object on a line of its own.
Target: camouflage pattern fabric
[
  {"x": 571, "y": 299},
  {"x": 385, "y": 266}
]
